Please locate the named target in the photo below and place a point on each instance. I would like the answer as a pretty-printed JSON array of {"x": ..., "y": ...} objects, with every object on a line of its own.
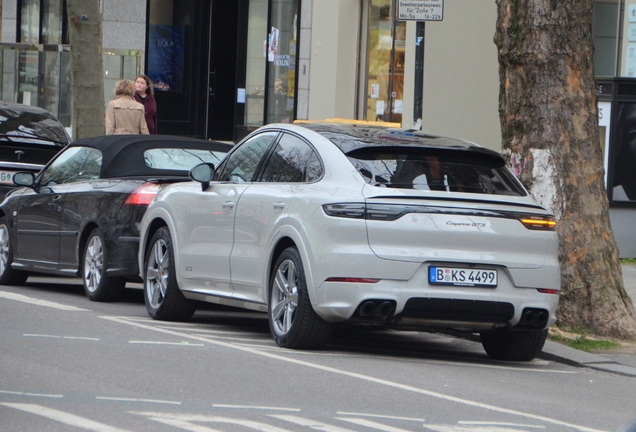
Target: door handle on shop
[
  {"x": 279, "y": 206},
  {"x": 228, "y": 205}
]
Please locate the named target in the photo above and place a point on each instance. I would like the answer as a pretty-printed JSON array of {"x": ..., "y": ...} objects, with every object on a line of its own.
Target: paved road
[{"x": 69, "y": 364}]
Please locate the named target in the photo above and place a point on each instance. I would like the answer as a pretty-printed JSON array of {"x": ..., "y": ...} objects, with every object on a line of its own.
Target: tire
[
  {"x": 516, "y": 346},
  {"x": 8, "y": 276},
  {"x": 97, "y": 286},
  {"x": 163, "y": 298},
  {"x": 292, "y": 320}
]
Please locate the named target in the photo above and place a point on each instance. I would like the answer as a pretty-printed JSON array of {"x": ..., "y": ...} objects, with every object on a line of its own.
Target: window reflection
[
  {"x": 385, "y": 73},
  {"x": 281, "y": 60}
]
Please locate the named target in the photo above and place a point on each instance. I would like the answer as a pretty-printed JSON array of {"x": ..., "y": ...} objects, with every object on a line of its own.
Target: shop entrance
[
  {"x": 221, "y": 77},
  {"x": 191, "y": 59}
]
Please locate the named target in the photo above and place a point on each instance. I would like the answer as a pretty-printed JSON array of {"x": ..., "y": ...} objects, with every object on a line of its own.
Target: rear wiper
[{"x": 9, "y": 136}]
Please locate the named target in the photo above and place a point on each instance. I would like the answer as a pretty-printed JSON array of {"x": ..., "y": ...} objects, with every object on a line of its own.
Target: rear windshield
[
  {"x": 179, "y": 159},
  {"x": 435, "y": 170}
]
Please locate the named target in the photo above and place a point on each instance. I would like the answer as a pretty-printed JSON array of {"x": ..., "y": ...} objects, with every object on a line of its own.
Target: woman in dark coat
[{"x": 144, "y": 95}]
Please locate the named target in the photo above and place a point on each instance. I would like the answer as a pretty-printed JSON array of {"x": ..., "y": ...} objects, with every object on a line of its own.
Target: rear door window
[
  {"x": 292, "y": 161},
  {"x": 435, "y": 170}
]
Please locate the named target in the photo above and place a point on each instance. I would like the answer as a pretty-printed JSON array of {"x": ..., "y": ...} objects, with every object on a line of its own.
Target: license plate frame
[
  {"x": 6, "y": 177},
  {"x": 461, "y": 276}
]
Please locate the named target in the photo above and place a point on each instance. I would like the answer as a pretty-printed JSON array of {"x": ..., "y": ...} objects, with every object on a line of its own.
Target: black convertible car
[{"x": 80, "y": 215}]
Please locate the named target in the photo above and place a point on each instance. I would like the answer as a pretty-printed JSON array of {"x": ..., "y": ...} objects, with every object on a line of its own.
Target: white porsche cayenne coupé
[{"x": 319, "y": 224}]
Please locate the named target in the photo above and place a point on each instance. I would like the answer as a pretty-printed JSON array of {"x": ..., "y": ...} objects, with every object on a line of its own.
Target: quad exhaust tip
[
  {"x": 534, "y": 318},
  {"x": 376, "y": 309}
]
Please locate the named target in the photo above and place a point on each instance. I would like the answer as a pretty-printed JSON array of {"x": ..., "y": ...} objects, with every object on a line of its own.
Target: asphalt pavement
[{"x": 622, "y": 364}]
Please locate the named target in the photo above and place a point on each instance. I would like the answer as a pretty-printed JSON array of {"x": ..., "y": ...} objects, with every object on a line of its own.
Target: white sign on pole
[{"x": 420, "y": 10}]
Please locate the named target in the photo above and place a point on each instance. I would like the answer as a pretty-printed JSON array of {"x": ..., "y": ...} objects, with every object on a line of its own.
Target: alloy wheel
[
  {"x": 157, "y": 273},
  {"x": 4, "y": 248},
  {"x": 284, "y": 297},
  {"x": 93, "y": 264}
]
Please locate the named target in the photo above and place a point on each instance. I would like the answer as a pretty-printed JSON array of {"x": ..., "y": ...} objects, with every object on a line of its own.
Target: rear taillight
[
  {"x": 391, "y": 212},
  {"x": 548, "y": 291},
  {"x": 542, "y": 223},
  {"x": 143, "y": 195}
]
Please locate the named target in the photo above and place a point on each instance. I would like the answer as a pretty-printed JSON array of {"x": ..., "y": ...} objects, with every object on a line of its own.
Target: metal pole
[{"x": 419, "y": 74}]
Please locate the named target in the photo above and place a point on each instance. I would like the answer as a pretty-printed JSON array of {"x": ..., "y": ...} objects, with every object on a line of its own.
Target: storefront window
[
  {"x": 30, "y": 22},
  {"x": 255, "y": 64},
  {"x": 52, "y": 19},
  {"x": 281, "y": 61},
  {"x": 385, "y": 60},
  {"x": 623, "y": 179},
  {"x": 48, "y": 13}
]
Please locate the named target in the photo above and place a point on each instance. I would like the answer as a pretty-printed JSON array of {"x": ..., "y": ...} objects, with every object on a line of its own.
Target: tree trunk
[
  {"x": 550, "y": 132},
  {"x": 87, "y": 83}
]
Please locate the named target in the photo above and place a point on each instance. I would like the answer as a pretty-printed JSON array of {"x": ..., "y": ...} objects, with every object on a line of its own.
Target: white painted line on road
[
  {"x": 41, "y": 335},
  {"x": 313, "y": 424},
  {"x": 81, "y": 338},
  {"x": 37, "y": 302},
  {"x": 44, "y": 395},
  {"x": 380, "y": 416},
  {"x": 60, "y": 337},
  {"x": 367, "y": 378},
  {"x": 275, "y": 348},
  {"x": 483, "y": 423},
  {"x": 255, "y": 407},
  {"x": 30, "y": 394},
  {"x": 120, "y": 399},
  {"x": 372, "y": 425},
  {"x": 182, "y": 421},
  {"x": 62, "y": 417},
  {"x": 183, "y": 343}
]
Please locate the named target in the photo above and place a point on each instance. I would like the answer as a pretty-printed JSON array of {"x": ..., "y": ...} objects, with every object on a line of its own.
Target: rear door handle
[
  {"x": 279, "y": 206},
  {"x": 57, "y": 198},
  {"x": 228, "y": 205}
]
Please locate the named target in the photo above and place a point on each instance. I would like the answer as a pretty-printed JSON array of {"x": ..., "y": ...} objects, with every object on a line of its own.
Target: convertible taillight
[{"x": 143, "y": 195}]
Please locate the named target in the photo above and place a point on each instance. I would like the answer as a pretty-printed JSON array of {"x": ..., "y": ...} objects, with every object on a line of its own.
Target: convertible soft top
[{"x": 123, "y": 155}]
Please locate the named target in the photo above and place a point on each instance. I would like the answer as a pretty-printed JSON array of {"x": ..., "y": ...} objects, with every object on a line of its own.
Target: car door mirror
[
  {"x": 202, "y": 173},
  {"x": 24, "y": 179}
]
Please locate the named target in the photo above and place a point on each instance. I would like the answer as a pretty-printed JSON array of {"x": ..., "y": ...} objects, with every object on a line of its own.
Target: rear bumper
[{"x": 419, "y": 304}]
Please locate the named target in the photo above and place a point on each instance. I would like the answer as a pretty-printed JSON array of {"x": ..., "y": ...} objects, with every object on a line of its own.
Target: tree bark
[
  {"x": 549, "y": 121},
  {"x": 87, "y": 83}
]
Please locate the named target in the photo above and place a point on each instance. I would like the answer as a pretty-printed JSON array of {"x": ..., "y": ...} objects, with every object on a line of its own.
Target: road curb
[{"x": 565, "y": 354}]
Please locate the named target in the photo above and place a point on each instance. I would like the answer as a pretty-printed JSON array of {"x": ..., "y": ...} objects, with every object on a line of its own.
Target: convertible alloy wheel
[
  {"x": 292, "y": 320},
  {"x": 4, "y": 249},
  {"x": 97, "y": 285},
  {"x": 93, "y": 263},
  {"x": 163, "y": 298},
  {"x": 8, "y": 276}
]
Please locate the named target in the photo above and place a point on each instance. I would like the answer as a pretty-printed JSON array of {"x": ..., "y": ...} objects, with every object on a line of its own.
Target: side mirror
[
  {"x": 202, "y": 173},
  {"x": 24, "y": 179}
]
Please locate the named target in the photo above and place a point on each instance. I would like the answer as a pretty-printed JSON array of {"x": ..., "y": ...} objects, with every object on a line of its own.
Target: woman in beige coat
[{"x": 124, "y": 114}]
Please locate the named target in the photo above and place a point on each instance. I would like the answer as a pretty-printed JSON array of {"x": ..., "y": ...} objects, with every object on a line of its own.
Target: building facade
[{"x": 222, "y": 68}]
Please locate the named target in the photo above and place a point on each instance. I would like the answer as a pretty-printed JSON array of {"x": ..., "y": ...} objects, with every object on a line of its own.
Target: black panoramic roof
[
  {"x": 123, "y": 155},
  {"x": 19, "y": 122},
  {"x": 350, "y": 137}
]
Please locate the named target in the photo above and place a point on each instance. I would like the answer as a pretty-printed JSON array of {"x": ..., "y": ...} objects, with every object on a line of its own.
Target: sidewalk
[{"x": 623, "y": 364}]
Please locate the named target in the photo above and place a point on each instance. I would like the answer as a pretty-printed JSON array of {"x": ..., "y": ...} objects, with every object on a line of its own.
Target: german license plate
[
  {"x": 462, "y": 277},
  {"x": 6, "y": 177}
]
